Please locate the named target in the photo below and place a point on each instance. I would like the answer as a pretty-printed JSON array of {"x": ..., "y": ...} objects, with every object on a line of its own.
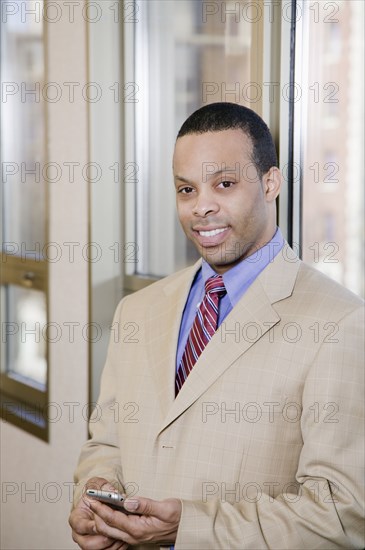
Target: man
[{"x": 240, "y": 410}]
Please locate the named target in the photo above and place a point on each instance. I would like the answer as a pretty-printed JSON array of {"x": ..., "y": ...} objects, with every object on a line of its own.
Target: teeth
[{"x": 212, "y": 232}]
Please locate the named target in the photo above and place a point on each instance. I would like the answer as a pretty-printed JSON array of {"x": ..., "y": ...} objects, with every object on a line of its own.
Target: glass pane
[
  {"x": 333, "y": 145},
  {"x": 188, "y": 53},
  {"x": 22, "y": 128},
  {"x": 24, "y": 334}
]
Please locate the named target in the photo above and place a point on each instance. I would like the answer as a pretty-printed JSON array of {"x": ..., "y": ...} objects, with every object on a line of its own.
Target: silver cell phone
[{"x": 114, "y": 500}]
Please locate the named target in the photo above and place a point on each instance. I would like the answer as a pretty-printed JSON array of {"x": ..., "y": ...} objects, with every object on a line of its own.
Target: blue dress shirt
[{"x": 236, "y": 280}]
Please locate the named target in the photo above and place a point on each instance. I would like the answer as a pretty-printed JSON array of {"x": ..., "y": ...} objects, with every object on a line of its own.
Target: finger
[
  {"x": 112, "y": 517},
  {"x": 164, "y": 515},
  {"x": 95, "y": 542},
  {"x": 156, "y": 521},
  {"x": 109, "y": 487},
  {"x": 110, "y": 528},
  {"x": 81, "y": 524},
  {"x": 96, "y": 483},
  {"x": 83, "y": 527},
  {"x": 119, "y": 545}
]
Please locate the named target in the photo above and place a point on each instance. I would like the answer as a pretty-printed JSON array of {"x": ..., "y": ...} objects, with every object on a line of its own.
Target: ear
[{"x": 272, "y": 183}]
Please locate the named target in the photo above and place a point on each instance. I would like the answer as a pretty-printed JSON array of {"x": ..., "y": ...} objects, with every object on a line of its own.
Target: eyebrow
[
  {"x": 180, "y": 178},
  {"x": 212, "y": 174}
]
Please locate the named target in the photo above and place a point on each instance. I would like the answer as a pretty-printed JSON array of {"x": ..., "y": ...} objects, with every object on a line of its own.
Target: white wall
[{"x": 31, "y": 520}]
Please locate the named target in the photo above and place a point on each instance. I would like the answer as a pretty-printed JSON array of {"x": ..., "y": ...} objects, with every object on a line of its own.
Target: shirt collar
[{"x": 239, "y": 277}]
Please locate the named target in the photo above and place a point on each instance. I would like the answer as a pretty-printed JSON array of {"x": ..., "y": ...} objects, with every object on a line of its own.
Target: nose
[{"x": 205, "y": 204}]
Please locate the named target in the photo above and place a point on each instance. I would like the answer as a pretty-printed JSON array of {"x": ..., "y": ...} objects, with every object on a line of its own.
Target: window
[
  {"x": 179, "y": 56},
  {"x": 23, "y": 201},
  {"x": 330, "y": 143}
]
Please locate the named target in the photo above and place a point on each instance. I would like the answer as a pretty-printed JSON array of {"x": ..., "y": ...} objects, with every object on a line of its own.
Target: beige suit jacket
[{"x": 264, "y": 443}]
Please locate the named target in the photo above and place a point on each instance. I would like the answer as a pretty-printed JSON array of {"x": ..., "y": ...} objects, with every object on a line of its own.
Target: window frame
[{"x": 23, "y": 403}]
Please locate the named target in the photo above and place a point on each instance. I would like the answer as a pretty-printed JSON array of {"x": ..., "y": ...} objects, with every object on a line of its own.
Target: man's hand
[
  {"x": 82, "y": 521},
  {"x": 158, "y": 522}
]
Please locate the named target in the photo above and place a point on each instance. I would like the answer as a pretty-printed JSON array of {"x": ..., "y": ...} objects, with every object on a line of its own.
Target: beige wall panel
[{"x": 38, "y": 519}]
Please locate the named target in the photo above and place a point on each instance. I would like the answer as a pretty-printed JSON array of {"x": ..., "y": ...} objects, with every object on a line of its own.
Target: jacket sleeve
[
  {"x": 100, "y": 455},
  {"x": 328, "y": 510}
]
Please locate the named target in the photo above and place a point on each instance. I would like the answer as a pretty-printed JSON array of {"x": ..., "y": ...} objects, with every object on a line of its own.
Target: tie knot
[{"x": 215, "y": 285}]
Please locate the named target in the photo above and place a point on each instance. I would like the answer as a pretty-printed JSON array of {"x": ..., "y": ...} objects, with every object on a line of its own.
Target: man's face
[{"x": 223, "y": 207}]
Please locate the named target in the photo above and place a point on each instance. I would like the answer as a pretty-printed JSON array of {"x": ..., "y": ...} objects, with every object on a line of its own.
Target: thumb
[
  {"x": 167, "y": 510},
  {"x": 160, "y": 509},
  {"x": 141, "y": 505}
]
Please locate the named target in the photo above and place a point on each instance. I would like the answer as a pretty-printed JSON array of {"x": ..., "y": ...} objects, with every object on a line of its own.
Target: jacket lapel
[
  {"x": 163, "y": 334},
  {"x": 249, "y": 320}
]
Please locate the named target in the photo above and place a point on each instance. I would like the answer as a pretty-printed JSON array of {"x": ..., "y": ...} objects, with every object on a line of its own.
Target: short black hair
[{"x": 216, "y": 117}]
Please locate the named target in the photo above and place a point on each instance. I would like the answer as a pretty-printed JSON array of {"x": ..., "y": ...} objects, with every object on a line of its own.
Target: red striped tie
[{"x": 204, "y": 326}]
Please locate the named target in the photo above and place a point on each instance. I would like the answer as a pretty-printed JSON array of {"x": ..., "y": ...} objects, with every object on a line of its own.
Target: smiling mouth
[{"x": 212, "y": 232}]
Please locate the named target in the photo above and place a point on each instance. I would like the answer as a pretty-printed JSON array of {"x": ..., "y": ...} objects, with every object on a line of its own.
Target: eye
[
  {"x": 226, "y": 184},
  {"x": 185, "y": 190}
]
